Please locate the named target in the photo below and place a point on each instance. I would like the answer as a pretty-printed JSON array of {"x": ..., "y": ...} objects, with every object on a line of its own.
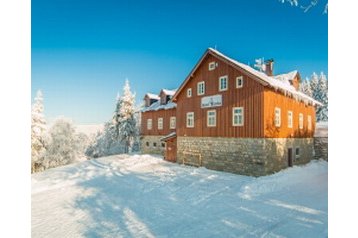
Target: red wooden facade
[{"x": 154, "y": 115}]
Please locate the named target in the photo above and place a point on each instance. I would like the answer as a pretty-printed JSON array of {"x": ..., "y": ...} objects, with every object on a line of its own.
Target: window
[
  {"x": 239, "y": 82},
  {"x": 190, "y": 119},
  {"x": 223, "y": 83},
  {"x": 309, "y": 123},
  {"x": 147, "y": 144},
  {"x": 211, "y": 118},
  {"x": 300, "y": 120},
  {"x": 277, "y": 117},
  {"x": 212, "y": 66},
  {"x": 163, "y": 144},
  {"x": 149, "y": 124},
  {"x": 172, "y": 122},
  {"x": 189, "y": 93},
  {"x": 160, "y": 123},
  {"x": 290, "y": 119},
  {"x": 297, "y": 153},
  {"x": 238, "y": 116},
  {"x": 201, "y": 88},
  {"x": 154, "y": 144}
]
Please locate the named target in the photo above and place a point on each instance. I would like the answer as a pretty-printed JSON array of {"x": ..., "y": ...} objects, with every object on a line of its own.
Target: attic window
[
  {"x": 189, "y": 92},
  {"x": 239, "y": 82},
  {"x": 212, "y": 66}
]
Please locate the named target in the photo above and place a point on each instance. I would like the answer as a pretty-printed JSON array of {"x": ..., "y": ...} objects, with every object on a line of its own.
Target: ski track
[{"x": 144, "y": 196}]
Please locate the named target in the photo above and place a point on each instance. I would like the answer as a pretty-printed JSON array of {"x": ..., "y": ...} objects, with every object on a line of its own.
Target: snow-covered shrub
[{"x": 64, "y": 146}]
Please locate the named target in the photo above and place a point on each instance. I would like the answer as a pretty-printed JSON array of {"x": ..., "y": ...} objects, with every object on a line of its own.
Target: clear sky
[{"x": 82, "y": 51}]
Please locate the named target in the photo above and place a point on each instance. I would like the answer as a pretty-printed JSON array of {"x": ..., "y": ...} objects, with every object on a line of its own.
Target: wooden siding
[
  {"x": 154, "y": 115},
  {"x": 250, "y": 96},
  {"x": 273, "y": 99}
]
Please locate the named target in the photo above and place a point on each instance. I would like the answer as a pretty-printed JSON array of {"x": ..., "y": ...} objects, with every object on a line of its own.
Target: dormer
[
  {"x": 150, "y": 98},
  {"x": 166, "y": 95},
  {"x": 292, "y": 78}
]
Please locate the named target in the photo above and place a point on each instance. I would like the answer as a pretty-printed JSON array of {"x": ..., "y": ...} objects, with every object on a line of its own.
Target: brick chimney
[{"x": 269, "y": 67}]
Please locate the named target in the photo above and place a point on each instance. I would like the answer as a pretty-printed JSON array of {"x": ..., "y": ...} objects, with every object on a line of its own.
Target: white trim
[
  {"x": 160, "y": 122},
  {"x": 149, "y": 124},
  {"x": 309, "y": 122},
  {"x": 289, "y": 119},
  {"x": 242, "y": 81},
  {"x": 187, "y": 119},
  {"x": 208, "y": 117},
  {"x": 171, "y": 122},
  {"x": 300, "y": 120},
  {"x": 188, "y": 95},
  {"x": 277, "y": 118},
  {"x": 198, "y": 87},
  {"x": 212, "y": 66},
  {"x": 227, "y": 83},
  {"x": 238, "y": 115}
]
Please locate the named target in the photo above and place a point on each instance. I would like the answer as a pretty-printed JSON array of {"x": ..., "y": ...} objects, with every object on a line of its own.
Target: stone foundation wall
[
  {"x": 321, "y": 148},
  {"x": 152, "y": 145},
  {"x": 248, "y": 156}
]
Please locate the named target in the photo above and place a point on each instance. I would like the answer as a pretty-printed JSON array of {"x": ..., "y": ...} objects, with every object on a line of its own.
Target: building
[{"x": 234, "y": 118}]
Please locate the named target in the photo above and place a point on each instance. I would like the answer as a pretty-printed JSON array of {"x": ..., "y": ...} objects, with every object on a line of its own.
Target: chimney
[{"x": 269, "y": 67}]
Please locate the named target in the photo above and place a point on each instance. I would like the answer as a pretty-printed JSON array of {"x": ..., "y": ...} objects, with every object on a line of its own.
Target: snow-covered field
[{"x": 144, "y": 196}]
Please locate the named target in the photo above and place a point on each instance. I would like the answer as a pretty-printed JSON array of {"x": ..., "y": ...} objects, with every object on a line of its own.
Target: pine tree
[
  {"x": 38, "y": 130},
  {"x": 322, "y": 112},
  {"x": 305, "y": 87},
  {"x": 127, "y": 129}
]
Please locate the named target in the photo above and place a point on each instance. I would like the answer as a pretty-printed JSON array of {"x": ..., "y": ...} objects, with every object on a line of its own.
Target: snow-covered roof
[
  {"x": 157, "y": 106},
  {"x": 286, "y": 77},
  {"x": 169, "y": 92},
  {"x": 170, "y": 135},
  {"x": 266, "y": 80},
  {"x": 152, "y": 96}
]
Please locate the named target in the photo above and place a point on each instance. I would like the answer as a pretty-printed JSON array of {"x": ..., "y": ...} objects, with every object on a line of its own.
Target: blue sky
[{"x": 82, "y": 51}]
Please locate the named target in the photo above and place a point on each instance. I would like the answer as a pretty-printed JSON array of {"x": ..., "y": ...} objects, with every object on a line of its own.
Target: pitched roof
[
  {"x": 168, "y": 92},
  {"x": 152, "y": 96},
  {"x": 261, "y": 77},
  {"x": 288, "y": 76}
]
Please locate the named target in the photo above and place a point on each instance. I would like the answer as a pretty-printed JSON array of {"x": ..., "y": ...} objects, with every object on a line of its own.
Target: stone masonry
[
  {"x": 321, "y": 148},
  {"x": 152, "y": 145},
  {"x": 247, "y": 156}
]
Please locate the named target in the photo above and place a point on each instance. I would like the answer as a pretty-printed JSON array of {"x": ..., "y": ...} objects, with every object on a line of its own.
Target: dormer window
[{"x": 212, "y": 66}]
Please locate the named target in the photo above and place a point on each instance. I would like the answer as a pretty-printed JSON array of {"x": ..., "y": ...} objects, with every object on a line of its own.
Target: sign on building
[{"x": 211, "y": 101}]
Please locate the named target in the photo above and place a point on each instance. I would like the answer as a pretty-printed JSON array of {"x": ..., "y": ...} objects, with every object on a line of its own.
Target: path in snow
[{"x": 144, "y": 196}]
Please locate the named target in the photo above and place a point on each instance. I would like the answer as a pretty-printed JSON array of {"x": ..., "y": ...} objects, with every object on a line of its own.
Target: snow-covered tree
[
  {"x": 322, "y": 112},
  {"x": 305, "y": 87},
  {"x": 306, "y": 5},
  {"x": 38, "y": 130},
  {"x": 64, "y": 144},
  {"x": 125, "y": 122}
]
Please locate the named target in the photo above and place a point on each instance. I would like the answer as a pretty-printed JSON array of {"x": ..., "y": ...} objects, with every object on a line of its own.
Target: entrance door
[
  {"x": 171, "y": 150},
  {"x": 290, "y": 157}
]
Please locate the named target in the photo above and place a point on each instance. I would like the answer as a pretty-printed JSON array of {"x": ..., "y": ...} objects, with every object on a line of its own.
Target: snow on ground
[{"x": 144, "y": 196}]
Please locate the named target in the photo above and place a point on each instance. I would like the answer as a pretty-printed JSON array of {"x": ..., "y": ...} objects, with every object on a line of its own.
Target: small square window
[
  {"x": 154, "y": 144},
  {"x": 189, "y": 93},
  {"x": 239, "y": 82},
  {"x": 212, "y": 66}
]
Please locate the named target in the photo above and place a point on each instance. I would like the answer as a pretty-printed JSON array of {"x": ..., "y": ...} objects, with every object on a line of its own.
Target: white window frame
[
  {"x": 190, "y": 114},
  {"x": 227, "y": 83},
  {"x": 238, "y": 115},
  {"x": 290, "y": 119},
  {"x": 211, "y": 116},
  {"x": 300, "y": 120},
  {"x": 149, "y": 124},
  {"x": 198, "y": 88},
  {"x": 173, "y": 122},
  {"x": 160, "y": 123},
  {"x": 277, "y": 118},
  {"x": 309, "y": 122},
  {"x": 212, "y": 65},
  {"x": 237, "y": 82},
  {"x": 189, "y": 92}
]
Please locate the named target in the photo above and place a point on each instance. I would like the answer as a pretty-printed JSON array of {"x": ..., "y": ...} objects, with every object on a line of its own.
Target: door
[
  {"x": 290, "y": 157},
  {"x": 171, "y": 150}
]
